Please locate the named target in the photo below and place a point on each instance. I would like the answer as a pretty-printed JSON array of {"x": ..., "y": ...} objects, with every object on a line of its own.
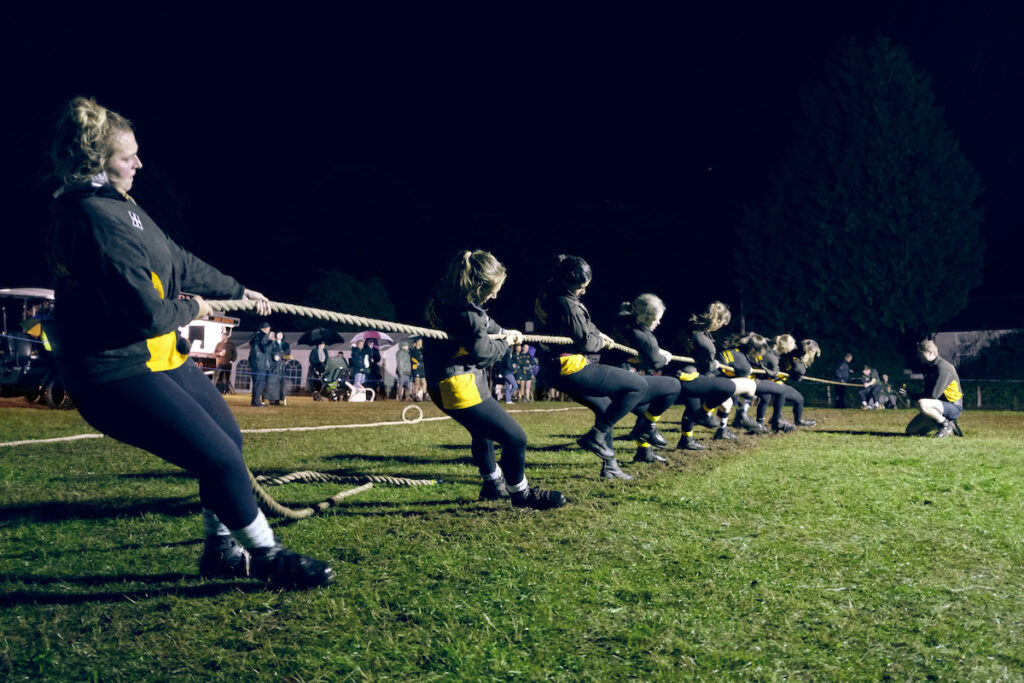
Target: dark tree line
[{"x": 871, "y": 227}]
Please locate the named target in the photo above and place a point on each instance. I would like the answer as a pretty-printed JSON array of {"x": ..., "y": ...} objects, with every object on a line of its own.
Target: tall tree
[{"x": 870, "y": 227}]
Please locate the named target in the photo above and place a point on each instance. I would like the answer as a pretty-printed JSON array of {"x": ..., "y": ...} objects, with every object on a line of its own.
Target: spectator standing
[
  {"x": 419, "y": 377},
  {"x": 317, "y": 362},
  {"x": 403, "y": 372},
  {"x": 259, "y": 362},
  {"x": 360, "y": 364},
  {"x": 843, "y": 375},
  {"x": 224, "y": 355},
  {"x": 280, "y": 353}
]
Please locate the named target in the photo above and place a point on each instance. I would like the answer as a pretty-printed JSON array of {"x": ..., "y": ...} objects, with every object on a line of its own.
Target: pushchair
[{"x": 331, "y": 385}]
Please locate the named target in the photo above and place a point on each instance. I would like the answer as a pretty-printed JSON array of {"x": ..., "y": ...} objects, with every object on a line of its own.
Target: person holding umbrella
[{"x": 135, "y": 383}]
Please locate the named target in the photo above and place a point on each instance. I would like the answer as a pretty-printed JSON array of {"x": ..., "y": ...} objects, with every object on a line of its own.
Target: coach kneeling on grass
[{"x": 943, "y": 399}]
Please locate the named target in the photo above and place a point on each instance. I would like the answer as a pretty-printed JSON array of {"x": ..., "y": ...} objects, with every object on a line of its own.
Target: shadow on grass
[
  {"x": 59, "y": 510},
  {"x": 197, "y": 588},
  {"x": 855, "y": 432},
  {"x": 409, "y": 459}
]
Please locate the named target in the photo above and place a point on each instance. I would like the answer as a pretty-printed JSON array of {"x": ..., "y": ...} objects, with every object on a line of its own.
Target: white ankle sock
[
  {"x": 257, "y": 534},
  {"x": 520, "y": 487}
]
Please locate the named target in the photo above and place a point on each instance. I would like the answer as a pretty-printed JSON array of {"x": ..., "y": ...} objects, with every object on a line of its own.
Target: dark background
[{"x": 380, "y": 142}]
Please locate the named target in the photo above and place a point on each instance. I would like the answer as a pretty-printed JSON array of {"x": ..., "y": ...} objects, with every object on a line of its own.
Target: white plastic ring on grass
[{"x": 414, "y": 420}]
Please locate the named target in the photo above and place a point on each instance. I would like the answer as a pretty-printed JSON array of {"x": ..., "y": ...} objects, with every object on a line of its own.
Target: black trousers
[
  {"x": 610, "y": 393},
  {"x": 770, "y": 392},
  {"x": 178, "y": 415},
  {"x": 486, "y": 423},
  {"x": 704, "y": 390},
  {"x": 661, "y": 395}
]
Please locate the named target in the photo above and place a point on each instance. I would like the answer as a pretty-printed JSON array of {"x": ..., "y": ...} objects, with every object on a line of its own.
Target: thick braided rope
[
  {"x": 386, "y": 325},
  {"x": 303, "y": 513}
]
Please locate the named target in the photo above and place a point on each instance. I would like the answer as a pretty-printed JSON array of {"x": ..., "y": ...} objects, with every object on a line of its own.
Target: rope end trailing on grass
[{"x": 367, "y": 480}]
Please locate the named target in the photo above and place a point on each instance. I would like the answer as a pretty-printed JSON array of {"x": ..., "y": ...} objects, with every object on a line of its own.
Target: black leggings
[
  {"x": 178, "y": 415},
  {"x": 661, "y": 395},
  {"x": 773, "y": 392},
  {"x": 486, "y": 423},
  {"x": 610, "y": 393},
  {"x": 794, "y": 397},
  {"x": 703, "y": 391}
]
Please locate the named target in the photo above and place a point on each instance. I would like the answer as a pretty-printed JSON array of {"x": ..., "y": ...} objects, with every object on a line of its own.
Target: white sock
[
  {"x": 520, "y": 487},
  {"x": 212, "y": 526},
  {"x": 257, "y": 534},
  {"x": 493, "y": 476}
]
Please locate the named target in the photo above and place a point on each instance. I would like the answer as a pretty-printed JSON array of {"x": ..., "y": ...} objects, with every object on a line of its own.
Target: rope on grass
[{"x": 308, "y": 476}]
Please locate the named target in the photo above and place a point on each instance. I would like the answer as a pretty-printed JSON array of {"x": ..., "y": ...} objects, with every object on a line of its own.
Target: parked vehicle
[{"x": 26, "y": 363}]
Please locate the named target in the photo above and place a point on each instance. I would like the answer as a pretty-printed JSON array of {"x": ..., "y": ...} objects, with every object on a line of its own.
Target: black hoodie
[{"x": 117, "y": 277}]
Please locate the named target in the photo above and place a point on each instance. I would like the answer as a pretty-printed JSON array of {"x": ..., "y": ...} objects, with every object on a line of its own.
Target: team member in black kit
[
  {"x": 943, "y": 399},
  {"x": 458, "y": 385},
  {"x": 702, "y": 391},
  {"x": 795, "y": 363},
  {"x": 135, "y": 382},
  {"x": 764, "y": 358},
  {"x": 609, "y": 392},
  {"x": 734, "y": 356},
  {"x": 637, "y": 321}
]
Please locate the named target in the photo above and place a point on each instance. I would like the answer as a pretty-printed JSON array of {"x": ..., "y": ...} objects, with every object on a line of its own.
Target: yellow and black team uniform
[
  {"x": 457, "y": 384},
  {"x": 609, "y": 392},
  {"x": 701, "y": 389},
  {"x": 942, "y": 383},
  {"x": 736, "y": 358},
  {"x": 769, "y": 390},
  {"x": 117, "y": 277},
  {"x": 662, "y": 390},
  {"x": 792, "y": 364}
]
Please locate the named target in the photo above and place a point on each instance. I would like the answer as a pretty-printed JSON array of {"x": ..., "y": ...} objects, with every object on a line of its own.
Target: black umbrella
[{"x": 320, "y": 334}]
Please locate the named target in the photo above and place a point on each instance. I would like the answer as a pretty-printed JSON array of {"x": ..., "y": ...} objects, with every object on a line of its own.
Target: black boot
[
  {"x": 688, "y": 443},
  {"x": 647, "y": 430},
  {"x": 610, "y": 470},
  {"x": 647, "y": 454},
  {"x": 494, "y": 489},
  {"x": 595, "y": 442},
  {"x": 783, "y": 426},
  {"x": 283, "y": 568},
  {"x": 223, "y": 558},
  {"x": 725, "y": 433},
  {"x": 706, "y": 419},
  {"x": 538, "y": 499}
]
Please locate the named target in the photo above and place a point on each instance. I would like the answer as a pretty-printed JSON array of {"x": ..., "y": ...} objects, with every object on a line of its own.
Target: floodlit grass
[{"x": 842, "y": 552}]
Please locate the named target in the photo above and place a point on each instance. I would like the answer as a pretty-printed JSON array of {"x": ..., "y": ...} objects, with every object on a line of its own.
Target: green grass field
[{"x": 843, "y": 552}]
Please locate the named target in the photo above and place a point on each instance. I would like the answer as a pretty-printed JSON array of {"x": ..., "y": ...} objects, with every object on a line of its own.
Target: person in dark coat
[
  {"x": 843, "y": 375},
  {"x": 259, "y": 362},
  {"x": 135, "y": 383},
  {"x": 280, "y": 353},
  {"x": 457, "y": 384}
]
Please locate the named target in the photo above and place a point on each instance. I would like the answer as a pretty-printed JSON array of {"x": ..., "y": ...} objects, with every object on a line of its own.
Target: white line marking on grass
[
  {"x": 296, "y": 429},
  {"x": 53, "y": 440}
]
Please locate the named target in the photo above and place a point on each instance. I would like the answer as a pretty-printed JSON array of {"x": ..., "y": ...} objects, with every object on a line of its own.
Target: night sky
[{"x": 380, "y": 142}]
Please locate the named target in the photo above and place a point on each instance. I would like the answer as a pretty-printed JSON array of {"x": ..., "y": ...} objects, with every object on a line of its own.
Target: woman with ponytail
[
  {"x": 135, "y": 383},
  {"x": 635, "y": 328},
  {"x": 610, "y": 393},
  {"x": 457, "y": 382}
]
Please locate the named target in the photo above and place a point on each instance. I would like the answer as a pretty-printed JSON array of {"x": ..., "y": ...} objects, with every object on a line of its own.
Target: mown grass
[{"x": 842, "y": 552}]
